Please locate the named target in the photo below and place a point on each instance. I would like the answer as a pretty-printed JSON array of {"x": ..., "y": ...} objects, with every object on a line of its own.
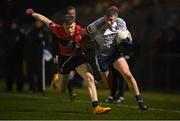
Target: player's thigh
[
  {"x": 122, "y": 66},
  {"x": 104, "y": 76},
  {"x": 83, "y": 70},
  {"x": 105, "y": 79}
]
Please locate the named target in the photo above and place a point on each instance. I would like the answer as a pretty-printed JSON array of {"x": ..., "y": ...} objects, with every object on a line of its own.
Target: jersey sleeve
[
  {"x": 55, "y": 28},
  {"x": 121, "y": 24},
  {"x": 93, "y": 27}
]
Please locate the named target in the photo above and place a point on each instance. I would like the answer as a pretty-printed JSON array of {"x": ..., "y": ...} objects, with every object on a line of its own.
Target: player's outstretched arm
[{"x": 38, "y": 16}]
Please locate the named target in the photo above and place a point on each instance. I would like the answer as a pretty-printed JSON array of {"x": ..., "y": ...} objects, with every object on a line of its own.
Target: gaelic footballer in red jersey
[
  {"x": 69, "y": 34},
  {"x": 71, "y": 58}
]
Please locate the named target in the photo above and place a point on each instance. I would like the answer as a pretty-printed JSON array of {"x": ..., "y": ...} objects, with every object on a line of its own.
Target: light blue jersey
[{"x": 105, "y": 35}]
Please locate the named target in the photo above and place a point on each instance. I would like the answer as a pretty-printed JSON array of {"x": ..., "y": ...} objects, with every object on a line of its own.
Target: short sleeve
[
  {"x": 93, "y": 27},
  {"x": 55, "y": 27},
  {"x": 121, "y": 24}
]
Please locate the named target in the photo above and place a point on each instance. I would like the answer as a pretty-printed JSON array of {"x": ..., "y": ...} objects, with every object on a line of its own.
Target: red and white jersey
[{"x": 62, "y": 35}]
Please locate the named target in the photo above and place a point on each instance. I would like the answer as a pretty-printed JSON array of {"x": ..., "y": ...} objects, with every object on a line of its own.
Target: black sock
[
  {"x": 138, "y": 98},
  {"x": 70, "y": 86},
  {"x": 95, "y": 103}
]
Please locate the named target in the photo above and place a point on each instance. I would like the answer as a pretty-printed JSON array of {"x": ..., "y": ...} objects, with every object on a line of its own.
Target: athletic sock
[
  {"x": 70, "y": 87},
  {"x": 95, "y": 104},
  {"x": 138, "y": 98}
]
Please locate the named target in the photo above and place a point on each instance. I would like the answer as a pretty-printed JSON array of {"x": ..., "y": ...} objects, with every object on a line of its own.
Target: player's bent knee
[
  {"x": 127, "y": 75},
  {"x": 90, "y": 78}
]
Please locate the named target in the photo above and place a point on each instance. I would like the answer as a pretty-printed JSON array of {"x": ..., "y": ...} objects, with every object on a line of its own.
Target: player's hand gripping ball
[
  {"x": 29, "y": 11},
  {"x": 123, "y": 36}
]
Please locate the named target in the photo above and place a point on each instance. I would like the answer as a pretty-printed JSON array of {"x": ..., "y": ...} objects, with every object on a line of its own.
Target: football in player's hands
[{"x": 123, "y": 36}]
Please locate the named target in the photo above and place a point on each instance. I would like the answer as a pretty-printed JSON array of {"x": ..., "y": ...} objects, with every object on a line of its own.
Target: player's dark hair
[
  {"x": 67, "y": 19},
  {"x": 113, "y": 10},
  {"x": 70, "y": 8}
]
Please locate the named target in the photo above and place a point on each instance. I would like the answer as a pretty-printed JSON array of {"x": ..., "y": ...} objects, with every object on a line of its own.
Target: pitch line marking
[
  {"x": 119, "y": 105},
  {"x": 152, "y": 109},
  {"x": 136, "y": 107}
]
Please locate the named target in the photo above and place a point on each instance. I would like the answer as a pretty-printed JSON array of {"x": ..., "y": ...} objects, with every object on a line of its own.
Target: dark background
[{"x": 154, "y": 24}]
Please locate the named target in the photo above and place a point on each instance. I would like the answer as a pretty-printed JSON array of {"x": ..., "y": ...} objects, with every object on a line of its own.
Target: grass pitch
[{"x": 53, "y": 105}]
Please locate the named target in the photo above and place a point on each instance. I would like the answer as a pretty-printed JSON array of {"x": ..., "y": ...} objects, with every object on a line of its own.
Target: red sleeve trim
[{"x": 52, "y": 25}]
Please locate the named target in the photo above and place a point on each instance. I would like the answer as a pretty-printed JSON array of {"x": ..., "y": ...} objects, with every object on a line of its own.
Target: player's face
[
  {"x": 70, "y": 28},
  {"x": 110, "y": 20},
  {"x": 72, "y": 12}
]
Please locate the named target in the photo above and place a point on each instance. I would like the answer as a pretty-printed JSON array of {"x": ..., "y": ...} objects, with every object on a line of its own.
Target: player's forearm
[{"x": 41, "y": 18}]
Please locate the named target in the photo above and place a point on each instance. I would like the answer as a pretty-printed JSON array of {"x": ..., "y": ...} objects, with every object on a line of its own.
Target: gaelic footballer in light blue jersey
[{"x": 105, "y": 30}]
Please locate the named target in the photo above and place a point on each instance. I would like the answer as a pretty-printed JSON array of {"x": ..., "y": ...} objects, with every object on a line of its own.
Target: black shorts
[
  {"x": 106, "y": 62},
  {"x": 69, "y": 63},
  {"x": 90, "y": 57}
]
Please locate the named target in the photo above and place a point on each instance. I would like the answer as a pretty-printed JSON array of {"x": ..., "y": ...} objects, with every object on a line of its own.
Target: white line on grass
[
  {"x": 119, "y": 105},
  {"x": 153, "y": 109},
  {"x": 136, "y": 107}
]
